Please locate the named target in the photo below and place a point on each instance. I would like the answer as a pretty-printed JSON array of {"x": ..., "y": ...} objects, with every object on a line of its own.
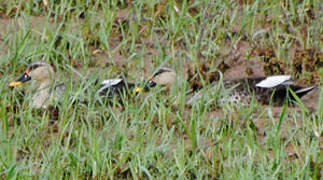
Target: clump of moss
[
  {"x": 204, "y": 74},
  {"x": 271, "y": 64},
  {"x": 274, "y": 66},
  {"x": 306, "y": 62}
]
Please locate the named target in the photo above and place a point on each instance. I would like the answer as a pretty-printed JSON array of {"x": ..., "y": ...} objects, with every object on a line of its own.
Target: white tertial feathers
[
  {"x": 273, "y": 81},
  {"x": 108, "y": 83},
  {"x": 111, "y": 82}
]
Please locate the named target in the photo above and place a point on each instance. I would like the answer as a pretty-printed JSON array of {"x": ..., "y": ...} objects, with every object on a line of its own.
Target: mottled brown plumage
[
  {"x": 273, "y": 89},
  {"x": 241, "y": 91}
]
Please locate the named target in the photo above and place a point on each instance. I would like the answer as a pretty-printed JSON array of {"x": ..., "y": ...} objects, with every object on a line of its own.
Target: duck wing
[{"x": 112, "y": 87}]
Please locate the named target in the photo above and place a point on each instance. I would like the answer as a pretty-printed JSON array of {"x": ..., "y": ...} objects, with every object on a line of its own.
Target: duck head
[
  {"x": 163, "y": 77},
  {"x": 40, "y": 71}
]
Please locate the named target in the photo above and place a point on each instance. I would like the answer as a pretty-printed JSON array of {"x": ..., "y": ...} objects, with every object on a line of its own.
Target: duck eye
[
  {"x": 26, "y": 75},
  {"x": 152, "y": 83}
]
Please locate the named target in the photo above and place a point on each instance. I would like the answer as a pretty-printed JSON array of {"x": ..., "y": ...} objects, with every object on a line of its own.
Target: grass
[{"x": 147, "y": 137}]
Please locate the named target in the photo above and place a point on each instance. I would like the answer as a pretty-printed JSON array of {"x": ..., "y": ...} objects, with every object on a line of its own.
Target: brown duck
[
  {"x": 264, "y": 90},
  {"x": 46, "y": 86}
]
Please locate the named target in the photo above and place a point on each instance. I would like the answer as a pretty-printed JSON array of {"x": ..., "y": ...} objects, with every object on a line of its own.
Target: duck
[
  {"x": 266, "y": 90},
  {"x": 43, "y": 75}
]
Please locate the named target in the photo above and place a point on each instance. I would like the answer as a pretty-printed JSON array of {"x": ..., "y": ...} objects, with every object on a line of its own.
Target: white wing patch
[
  {"x": 110, "y": 82},
  {"x": 273, "y": 81}
]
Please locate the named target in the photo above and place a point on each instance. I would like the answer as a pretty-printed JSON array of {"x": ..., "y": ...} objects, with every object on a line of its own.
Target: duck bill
[
  {"x": 149, "y": 84},
  {"x": 23, "y": 78},
  {"x": 146, "y": 87},
  {"x": 138, "y": 90}
]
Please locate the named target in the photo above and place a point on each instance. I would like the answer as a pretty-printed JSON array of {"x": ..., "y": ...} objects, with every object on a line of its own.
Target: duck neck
[
  {"x": 41, "y": 96},
  {"x": 45, "y": 84}
]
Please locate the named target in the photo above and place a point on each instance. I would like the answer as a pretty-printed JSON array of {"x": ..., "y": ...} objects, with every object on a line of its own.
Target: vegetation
[{"x": 148, "y": 136}]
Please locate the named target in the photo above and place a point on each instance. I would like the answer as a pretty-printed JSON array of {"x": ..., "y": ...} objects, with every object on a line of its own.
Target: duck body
[
  {"x": 42, "y": 95},
  {"x": 265, "y": 90}
]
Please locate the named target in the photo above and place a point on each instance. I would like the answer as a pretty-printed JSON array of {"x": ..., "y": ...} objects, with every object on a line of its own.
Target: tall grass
[{"x": 150, "y": 136}]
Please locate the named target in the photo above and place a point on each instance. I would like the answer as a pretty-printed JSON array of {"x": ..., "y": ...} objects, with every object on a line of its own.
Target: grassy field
[{"x": 149, "y": 137}]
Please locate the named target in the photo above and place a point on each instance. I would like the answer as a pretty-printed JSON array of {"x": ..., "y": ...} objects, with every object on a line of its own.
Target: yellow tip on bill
[
  {"x": 15, "y": 83},
  {"x": 137, "y": 90}
]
